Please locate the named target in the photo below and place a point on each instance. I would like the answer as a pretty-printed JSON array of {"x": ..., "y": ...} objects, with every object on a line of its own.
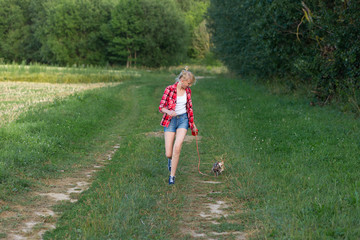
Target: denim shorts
[{"x": 180, "y": 121}]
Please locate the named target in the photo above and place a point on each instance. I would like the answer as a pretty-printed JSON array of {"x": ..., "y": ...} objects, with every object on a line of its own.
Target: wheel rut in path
[
  {"x": 208, "y": 208},
  {"x": 31, "y": 221},
  {"x": 209, "y": 212}
]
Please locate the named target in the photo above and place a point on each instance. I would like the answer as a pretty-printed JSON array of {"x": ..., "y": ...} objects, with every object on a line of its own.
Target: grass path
[
  {"x": 194, "y": 207},
  {"x": 291, "y": 169},
  {"x": 29, "y": 215},
  {"x": 30, "y": 218},
  {"x": 210, "y": 212}
]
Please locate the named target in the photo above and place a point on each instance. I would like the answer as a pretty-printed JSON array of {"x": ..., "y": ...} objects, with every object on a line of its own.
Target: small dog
[{"x": 218, "y": 167}]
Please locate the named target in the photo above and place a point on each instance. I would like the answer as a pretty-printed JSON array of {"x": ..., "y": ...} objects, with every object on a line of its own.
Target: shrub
[{"x": 312, "y": 41}]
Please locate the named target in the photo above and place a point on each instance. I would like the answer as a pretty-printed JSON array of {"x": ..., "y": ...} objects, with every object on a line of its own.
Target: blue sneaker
[
  {"x": 171, "y": 180},
  {"x": 169, "y": 164}
]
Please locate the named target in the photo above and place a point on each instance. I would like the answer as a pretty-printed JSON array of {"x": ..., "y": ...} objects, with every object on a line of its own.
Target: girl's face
[{"x": 185, "y": 82}]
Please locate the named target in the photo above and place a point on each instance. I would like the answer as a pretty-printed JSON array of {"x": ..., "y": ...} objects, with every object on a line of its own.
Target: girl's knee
[
  {"x": 168, "y": 152},
  {"x": 177, "y": 148}
]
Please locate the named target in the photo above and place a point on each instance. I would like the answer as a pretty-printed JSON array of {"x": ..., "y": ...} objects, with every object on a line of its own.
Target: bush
[
  {"x": 70, "y": 35},
  {"x": 146, "y": 32},
  {"x": 312, "y": 41}
]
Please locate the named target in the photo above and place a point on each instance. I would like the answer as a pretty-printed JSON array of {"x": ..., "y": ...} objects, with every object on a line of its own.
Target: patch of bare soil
[
  {"x": 188, "y": 138},
  {"x": 210, "y": 213},
  {"x": 208, "y": 208},
  {"x": 33, "y": 219}
]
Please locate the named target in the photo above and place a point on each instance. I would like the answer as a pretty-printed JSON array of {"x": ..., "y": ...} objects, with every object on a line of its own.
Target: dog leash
[{"x": 197, "y": 148}]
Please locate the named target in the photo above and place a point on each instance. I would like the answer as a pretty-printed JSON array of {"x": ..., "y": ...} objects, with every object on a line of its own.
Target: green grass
[
  {"x": 50, "y": 137},
  {"x": 129, "y": 199},
  {"x": 17, "y": 97},
  {"x": 292, "y": 166}
]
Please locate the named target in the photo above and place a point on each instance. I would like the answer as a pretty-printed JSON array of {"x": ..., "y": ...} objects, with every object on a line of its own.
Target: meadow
[
  {"x": 290, "y": 167},
  {"x": 52, "y": 74},
  {"x": 17, "y": 97}
]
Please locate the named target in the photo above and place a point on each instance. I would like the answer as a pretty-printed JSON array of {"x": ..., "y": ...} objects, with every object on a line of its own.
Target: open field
[
  {"x": 48, "y": 74},
  {"x": 17, "y": 97},
  {"x": 291, "y": 169}
]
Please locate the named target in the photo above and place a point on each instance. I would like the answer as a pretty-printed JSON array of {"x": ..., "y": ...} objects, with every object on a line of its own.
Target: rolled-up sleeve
[
  {"x": 189, "y": 109},
  {"x": 163, "y": 102}
]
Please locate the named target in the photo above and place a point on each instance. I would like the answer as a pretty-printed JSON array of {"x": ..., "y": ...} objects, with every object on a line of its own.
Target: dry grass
[
  {"x": 17, "y": 97},
  {"x": 199, "y": 70},
  {"x": 51, "y": 74}
]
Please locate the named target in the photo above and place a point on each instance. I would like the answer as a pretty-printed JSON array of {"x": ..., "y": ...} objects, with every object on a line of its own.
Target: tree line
[
  {"x": 315, "y": 42},
  {"x": 149, "y": 33}
]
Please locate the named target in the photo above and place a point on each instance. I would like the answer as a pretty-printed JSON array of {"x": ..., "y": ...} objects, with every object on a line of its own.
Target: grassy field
[
  {"x": 48, "y": 124},
  {"x": 293, "y": 167},
  {"x": 17, "y": 97},
  {"x": 75, "y": 74}
]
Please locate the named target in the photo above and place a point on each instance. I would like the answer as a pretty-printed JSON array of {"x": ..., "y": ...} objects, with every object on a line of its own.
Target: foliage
[
  {"x": 312, "y": 41},
  {"x": 71, "y": 33},
  {"x": 123, "y": 32},
  {"x": 200, "y": 41},
  {"x": 15, "y": 32},
  {"x": 195, "y": 11},
  {"x": 148, "y": 32},
  {"x": 82, "y": 32}
]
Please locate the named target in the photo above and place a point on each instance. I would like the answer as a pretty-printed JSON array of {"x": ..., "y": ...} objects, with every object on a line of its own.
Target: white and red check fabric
[{"x": 168, "y": 101}]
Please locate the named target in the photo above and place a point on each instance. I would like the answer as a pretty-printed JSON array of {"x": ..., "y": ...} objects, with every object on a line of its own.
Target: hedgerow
[{"x": 312, "y": 41}]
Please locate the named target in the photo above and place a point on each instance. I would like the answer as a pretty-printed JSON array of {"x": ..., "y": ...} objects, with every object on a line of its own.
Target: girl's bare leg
[
  {"x": 169, "y": 142},
  {"x": 180, "y": 136}
]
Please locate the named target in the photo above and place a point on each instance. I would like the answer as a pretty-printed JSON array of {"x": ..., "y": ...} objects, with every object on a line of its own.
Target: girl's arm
[
  {"x": 168, "y": 112},
  {"x": 163, "y": 101}
]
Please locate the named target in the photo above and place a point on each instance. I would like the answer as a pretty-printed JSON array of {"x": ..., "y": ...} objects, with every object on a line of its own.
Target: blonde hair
[{"x": 186, "y": 73}]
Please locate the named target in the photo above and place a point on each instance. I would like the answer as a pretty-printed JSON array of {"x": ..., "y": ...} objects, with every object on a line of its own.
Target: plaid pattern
[{"x": 168, "y": 101}]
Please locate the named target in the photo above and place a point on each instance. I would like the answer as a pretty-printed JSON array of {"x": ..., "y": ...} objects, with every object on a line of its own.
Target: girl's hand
[
  {"x": 194, "y": 131},
  {"x": 172, "y": 113},
  {"x": 169, "y": 112}
]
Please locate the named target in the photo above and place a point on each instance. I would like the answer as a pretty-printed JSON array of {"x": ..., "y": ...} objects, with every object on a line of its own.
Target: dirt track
[{"x": 31, "y": 221}]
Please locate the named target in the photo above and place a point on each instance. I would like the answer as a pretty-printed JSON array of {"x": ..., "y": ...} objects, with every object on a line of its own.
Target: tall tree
[
  {"x": 72, "y": 31},
  {"x": 15, "y": 31},
  {"x": 195, "y": 14},
  {"x": 312, "y": 40},
  {"x": 124, "y": 32},
  {"x": 148, "y": 32},
  {"x": 66, "y": 32}
]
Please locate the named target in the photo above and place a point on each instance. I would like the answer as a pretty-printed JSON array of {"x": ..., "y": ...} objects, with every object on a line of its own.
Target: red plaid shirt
[{"x": 168, "y": 101}]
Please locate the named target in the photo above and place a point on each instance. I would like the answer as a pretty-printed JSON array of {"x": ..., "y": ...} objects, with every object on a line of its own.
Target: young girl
[{"x": 178, "y": 116}]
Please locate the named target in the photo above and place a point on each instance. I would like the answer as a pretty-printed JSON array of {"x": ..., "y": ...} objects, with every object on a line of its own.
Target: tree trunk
[{"x": 128, "y": 62}]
